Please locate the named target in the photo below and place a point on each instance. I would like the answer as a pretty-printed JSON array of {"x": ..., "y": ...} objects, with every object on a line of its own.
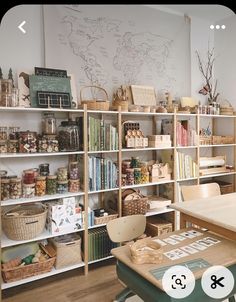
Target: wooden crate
[
  {"x": 157, "y": 226},
  {"x": 220, "y": 139},
  {"x": 225, "y": 187}
]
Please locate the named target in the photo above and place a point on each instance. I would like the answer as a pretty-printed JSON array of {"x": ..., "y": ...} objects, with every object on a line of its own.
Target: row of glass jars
[{"x": 12, "y": 188}]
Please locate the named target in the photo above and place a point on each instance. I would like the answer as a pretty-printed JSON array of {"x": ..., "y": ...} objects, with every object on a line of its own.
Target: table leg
[
  {"x": 183, "y": 221},
  {"x": 231, "y": 299}
]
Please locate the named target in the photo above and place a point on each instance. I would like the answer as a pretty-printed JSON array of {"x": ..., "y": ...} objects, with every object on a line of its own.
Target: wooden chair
[
  {"x": 200, "y": 191},
  {"x": 126, "y": 229}
]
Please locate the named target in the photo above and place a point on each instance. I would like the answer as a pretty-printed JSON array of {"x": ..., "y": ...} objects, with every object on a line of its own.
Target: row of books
[
  {"x": 102, "y": 136},
  {"x": 103, "y": 174},
  {"x": 186, "y": 167},
  {"x": 99, "y": 244},
  {"x": 185, "y": 136}
]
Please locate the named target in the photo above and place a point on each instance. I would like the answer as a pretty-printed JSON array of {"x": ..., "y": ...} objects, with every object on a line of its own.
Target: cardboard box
[{"x": 157, "y": 226}]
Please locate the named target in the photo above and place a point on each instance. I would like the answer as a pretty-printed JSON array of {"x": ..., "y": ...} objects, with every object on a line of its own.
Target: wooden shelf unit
[{"x": 86, "y": 194}]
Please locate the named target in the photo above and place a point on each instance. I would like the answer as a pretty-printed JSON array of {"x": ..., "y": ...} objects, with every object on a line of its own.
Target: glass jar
[
  {"x": 62, "y": 174},
  {"x": 5, "y": 188},
  {"x": 145, "y": 178},
  {"x": 40, "y": 186},
  {"x": 15, "y": 188},
  {"x": 13, "y": 146},
  {"x": 44, "y": 169},
  {"x": 123, "y": 180},
  {"x": 14, "y": 133},
  {"x": 6, "y": 86},
  {"x": 74, "y": 185},
  {"x": 73, "y": 170},
  {"x": 14, "y": 102},
  {"x": 137, "y": 176},
  {"x": 27, "y": 142},
  {"x": 49, "y": 123},
  {"x": 3, "y": 133},
  {"x": 68, "y": 136},
  {"x": 48, "y": 143},
  {"x": 51, "y": 184},
  {"x": 3, "y": 146},
  {"x": 28, "y": 190},
  {"x": 129, "y": 177},
  {"x": 134, "y": 162},
  {"x": 125, "y": 165},
  {"x": 28, "y": 177},
  {"x": 62, "y": 187}
]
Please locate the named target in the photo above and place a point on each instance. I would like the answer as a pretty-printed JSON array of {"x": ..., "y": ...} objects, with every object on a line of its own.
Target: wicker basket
[
  {"x": 68, "y": 249},
  {"x": 219, "y": 139},
  {"x": 21, "y": 272},
  {"x": 133, "y": 202},
  {"x": 95, "y": 104},
  {"x": 104, "y": 219},
  {"x": 124, "y": 105},
  {"x": 24, "y": 222},
  {"x": 146, "y": 251}
]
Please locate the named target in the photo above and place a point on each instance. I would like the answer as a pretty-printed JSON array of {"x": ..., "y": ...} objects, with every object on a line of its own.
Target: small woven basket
[
  {"x": 21, "y": 272},
  {"x": 146, "y": 251},
  {"x": 95, "y": 104},
  {"x": 24, "y": 222},
  {"x": 104, "y": 219},
  {"x": 138, "y": 204}
]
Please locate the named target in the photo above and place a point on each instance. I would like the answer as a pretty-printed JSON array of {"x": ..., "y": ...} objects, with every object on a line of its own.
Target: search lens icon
[{"x": 178, "y": 282}]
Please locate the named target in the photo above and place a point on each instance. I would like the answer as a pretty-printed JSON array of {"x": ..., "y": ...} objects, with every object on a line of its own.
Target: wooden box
[
  {"x": 157, "y": 226},
  {"x": 225, "y": 187}
]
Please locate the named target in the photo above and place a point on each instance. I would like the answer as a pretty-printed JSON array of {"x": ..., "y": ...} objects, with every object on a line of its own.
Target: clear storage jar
[
  {"x": 15, "y": 188},
  {"x": 62, "y": 174},
  {"x": 74, "y": 170},
  {"x": 3, "y": 146},
  {"x": 27, "y": 142},
  {"x": 137, "y": 176},
  {"x": 74, "y": 185},
  {"x": 129, "y": 177},
  {"x": 51, "y": 184},
  {"x": 49, "y": 123},
  {"x": 13, "y": 146},
  {"x": 44, "y": 169},
  {"x": 40, "y": 186},
  {"x": 5, "y": 188},
  {"x": 48, "y": 144},
  {"x": 62, "y": 187},
  {"x": 28, "y": 177},
  {"x": 3, "y": 133},
  {"x": 28, "y": 190},
  {"x": 68, "y": 136},
  {"x": 14, "y": 133}
]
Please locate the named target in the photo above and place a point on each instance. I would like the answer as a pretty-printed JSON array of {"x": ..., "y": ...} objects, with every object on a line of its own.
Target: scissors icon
[{"x": 216, "y": 281}]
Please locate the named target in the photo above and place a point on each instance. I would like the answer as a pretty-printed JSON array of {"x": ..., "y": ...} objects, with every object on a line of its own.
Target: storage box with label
[
  {"x": 157, "y": 226},
  {"x": 68, "y": 249},
  {"x": 159, "y": 141},
  {"x": 157, "y": 203}
]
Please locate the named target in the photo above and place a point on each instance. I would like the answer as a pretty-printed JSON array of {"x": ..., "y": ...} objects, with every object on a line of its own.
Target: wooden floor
[{"x": 100, "y": 285}]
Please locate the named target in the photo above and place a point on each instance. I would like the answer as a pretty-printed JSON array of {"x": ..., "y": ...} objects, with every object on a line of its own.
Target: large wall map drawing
[{"x": 110, "y": 45}]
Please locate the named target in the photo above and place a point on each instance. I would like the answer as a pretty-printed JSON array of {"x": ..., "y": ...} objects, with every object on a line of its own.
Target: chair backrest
[
  {"x": 200, "y": 191},
  {"x": 126, "y": 228}
]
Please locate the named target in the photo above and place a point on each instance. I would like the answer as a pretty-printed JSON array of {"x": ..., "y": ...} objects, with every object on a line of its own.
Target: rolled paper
[{"x": 204, "y": 163}]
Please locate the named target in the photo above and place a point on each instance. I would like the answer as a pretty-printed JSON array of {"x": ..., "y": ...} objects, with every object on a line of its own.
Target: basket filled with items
[
  {"x": 98, "y": 99},
  {"x": 133, "y": 202}
]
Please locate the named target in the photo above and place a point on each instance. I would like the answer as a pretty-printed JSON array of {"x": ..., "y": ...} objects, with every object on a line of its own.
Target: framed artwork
[{"x": 143, "y": 95}]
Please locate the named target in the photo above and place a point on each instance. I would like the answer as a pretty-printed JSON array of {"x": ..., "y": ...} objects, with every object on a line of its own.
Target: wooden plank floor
[{"x": 101, "y": 284}]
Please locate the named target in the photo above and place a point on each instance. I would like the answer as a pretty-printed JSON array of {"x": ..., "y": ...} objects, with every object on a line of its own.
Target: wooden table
[
  {"x": 217, "y": 214},
  {"x": 141, "y": 280}
]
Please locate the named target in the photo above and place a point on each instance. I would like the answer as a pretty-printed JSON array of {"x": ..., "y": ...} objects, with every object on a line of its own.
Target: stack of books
[
  {"x": 103, "y": 174},
  {"x": 186, "y": 167},
  {"x": 102, "y": 136},
  {"x": 100, "y": 244}
]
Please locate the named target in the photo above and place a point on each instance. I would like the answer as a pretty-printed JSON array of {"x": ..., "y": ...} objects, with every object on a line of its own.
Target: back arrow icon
[{"x": 21, "y": 27}]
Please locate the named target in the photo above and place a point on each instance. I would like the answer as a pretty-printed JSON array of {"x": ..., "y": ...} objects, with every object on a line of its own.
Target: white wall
[
  {"x": 225, "y": 67},
  {"x": 30, "y": 52}
]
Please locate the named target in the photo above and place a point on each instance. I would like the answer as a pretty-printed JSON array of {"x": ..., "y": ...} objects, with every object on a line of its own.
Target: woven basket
[
  {"x": 68, "y": 249},
  {"x": 24, "y": 222},
  {"x": 146, "y": 251},
  {"x": 124, "y": 105},
  {"x": 133, "y": 202},
  {"x": 104, "y": 219},
  {"x": 21, "y": 272},
  {"x": 95, "y": 104}
]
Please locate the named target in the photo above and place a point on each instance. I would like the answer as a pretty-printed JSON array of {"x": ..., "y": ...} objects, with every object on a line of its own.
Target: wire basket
[
  {"x": 24, "y": 222},
  {"x": 95, "y": 104}
]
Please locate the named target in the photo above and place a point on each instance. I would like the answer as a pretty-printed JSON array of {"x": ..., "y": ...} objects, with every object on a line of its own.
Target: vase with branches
[{"x": 206, "y": 69}]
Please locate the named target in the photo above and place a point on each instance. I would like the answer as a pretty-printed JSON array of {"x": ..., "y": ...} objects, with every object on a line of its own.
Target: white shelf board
[
  {"x": 54, "y": 271},
  {"x": 10, "y": 202},
  {"x": 152, "y": 213},
  {"x": 101, "y": 191},
  {"x": 103, "y": 111},
  {"x": 186, "y": 114},
  {"x": 217, "y": 174},
  {"x": 146, "y": 113},
  {"x": 186, "y": 179},
  {"x": 145, "y": 149},
  {"x": 97, "y": 226},
  {"x": 104, "y": 151},
  {"x": 37, "y": 154},
  {"x": 148, "y": 184},
  {"x": 219, "y": 145},
  {"x": 101, "y": 259},
  {"x": 29, "y": 109},
  {"x": 217, "y": 115},
  {"x": 6, "y": 242},
  {"x": 186, "y": 147}
]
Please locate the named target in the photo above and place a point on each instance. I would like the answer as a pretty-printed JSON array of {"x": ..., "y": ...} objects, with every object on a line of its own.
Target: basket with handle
[
  {"x": 95, "y": 104},
  {"x": 133, "y": 202},
  {"x": 24, "y": 222}
]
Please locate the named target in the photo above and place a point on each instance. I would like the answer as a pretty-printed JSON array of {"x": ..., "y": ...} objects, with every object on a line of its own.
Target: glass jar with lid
[
  {"x": 44, "y": 169},
  {"x": 62, "y": 174},
  {"x": 28, "y": 177},
  {"x": 15, "y": 188},
  {"x": 40, "y": 186},
  {"x": 51, "y": 184},
  {"x": 3, "y": 146},
  {"x": 14, "y": 133},
  {"x": 49, "y": 123},
  {"x": 68, "y": 136},
  {"x": 5, "y": 188},
  {"x": 62, "y": 187},
  {"x": 28, "y": 190},
  {"x": 3, "y": 133},
  {"x": 27, "y": 141},
  {"x": 73, "y": 170}
]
